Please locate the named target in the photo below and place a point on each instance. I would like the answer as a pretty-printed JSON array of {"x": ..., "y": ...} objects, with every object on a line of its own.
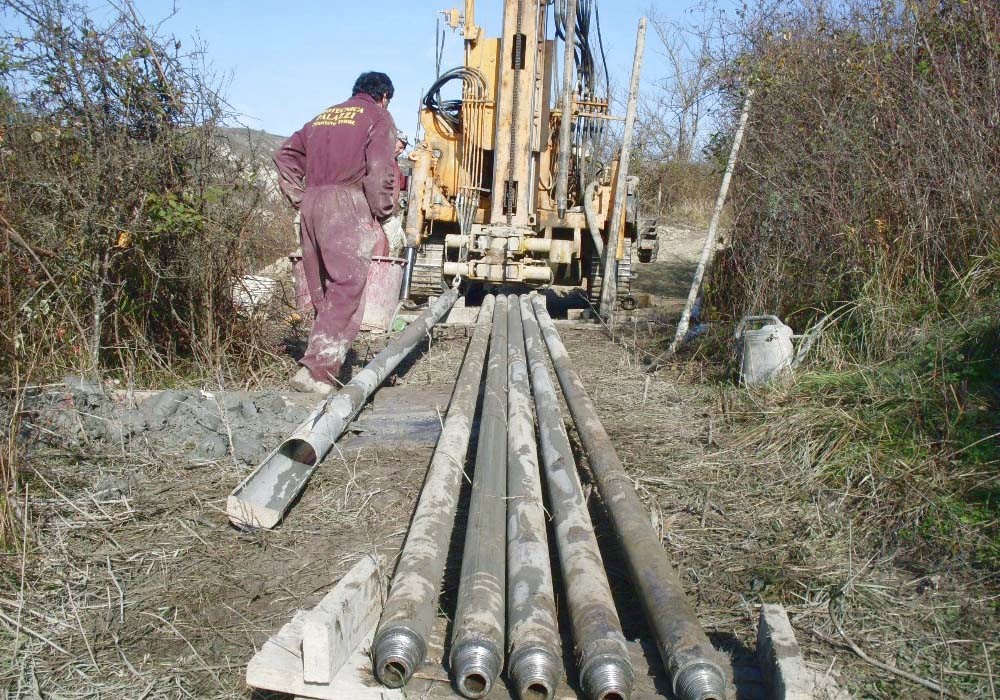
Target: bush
[
  {"x": 125, "y": 213},
  {"x": 868, "y": 189},
  {"x": 869, "y": 169}
]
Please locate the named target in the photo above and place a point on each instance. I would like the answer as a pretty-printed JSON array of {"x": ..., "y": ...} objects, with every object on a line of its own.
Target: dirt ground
[
  {"x": 133, "y": 584},
  {"x": 668, "y": 276}
]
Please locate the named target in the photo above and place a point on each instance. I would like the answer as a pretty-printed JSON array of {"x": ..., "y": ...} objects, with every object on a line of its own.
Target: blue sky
[{"x": 285, "y": 62}]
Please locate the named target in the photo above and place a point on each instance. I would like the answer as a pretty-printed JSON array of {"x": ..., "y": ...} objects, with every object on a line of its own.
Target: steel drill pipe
[
  {"x": 697, "y": 671},
  {"x": 533, "y": 647},
  {"x": 410, "y": 253},
  {"x": 477, "y": 642},
  {"x": 261, "y": 500},
  {"x": 410, "y": 610},
  {"x": 566, "y": 119},
  {"x": 605, "y": 668}
]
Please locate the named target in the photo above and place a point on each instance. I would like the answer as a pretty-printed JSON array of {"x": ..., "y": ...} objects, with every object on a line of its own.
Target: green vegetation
[
  {"x": 125, "y": 216},
  {"x": 868, "y": 190}
]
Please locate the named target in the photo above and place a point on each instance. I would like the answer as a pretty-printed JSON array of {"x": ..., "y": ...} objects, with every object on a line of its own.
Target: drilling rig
[{"x": 514, "y": 183}]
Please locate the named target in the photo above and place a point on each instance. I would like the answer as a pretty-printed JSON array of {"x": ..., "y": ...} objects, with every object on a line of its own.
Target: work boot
[{"x": 303, "y": 381}]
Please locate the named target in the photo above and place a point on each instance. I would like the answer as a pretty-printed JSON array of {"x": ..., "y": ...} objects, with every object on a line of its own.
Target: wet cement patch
[{"x": 207, "y": 426}]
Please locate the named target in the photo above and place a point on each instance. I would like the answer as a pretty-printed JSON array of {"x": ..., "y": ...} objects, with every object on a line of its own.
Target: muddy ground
[{"x": 132, "y": 583}]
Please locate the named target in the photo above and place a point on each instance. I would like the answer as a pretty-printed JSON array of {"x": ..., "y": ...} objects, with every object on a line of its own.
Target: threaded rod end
[
  {"x": 535, "y": 672},
  {"x": 608, "y": 679},
  {"x": 475, "y": 666},
  {"x": 398, "y": 653},
  {"x": 700, "y": 681}
]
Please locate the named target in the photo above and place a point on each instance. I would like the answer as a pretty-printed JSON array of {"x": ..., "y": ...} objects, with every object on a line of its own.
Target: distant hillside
[
  {"x": 245, "y": 141},
  {"x": 253, "y": 148}
]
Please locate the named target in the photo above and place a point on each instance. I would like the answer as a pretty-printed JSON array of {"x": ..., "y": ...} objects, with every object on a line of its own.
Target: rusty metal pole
[
  {"x": 697, "y": 671},
  {"x": 605, "y": 668},
  {"x": 534, "y": 650},
  {"x": 566, "y": 120},
  {"x": 477, "y": 642},
  {"x": 609, "y": 284},
  {"x": 400, "y": 644}
]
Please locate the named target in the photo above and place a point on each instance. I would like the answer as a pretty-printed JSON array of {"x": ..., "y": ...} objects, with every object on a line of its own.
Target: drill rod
[
  {"x": 478, "y": 638},
  {"x": 697, "y": 671},
  {"x": 410, "y": 610},
  {"x": 605, "y": 668},
  {"x": 535, "y": 657}
]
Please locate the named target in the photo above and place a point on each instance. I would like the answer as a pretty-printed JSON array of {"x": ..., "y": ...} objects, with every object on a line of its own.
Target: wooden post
[
  {"x": 609, "y": 285},
  {"x": 713, "y": 228}
]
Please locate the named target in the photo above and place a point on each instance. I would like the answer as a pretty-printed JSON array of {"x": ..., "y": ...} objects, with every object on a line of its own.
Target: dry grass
[
  {"x": 749, "y": 518},
  {"x": 133, "y": 572},
  {"x": 134, "y": 584}
]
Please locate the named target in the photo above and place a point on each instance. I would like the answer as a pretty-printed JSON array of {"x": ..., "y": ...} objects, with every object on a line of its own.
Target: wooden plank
[
  {"x": 780, "y": 657},
  {"x": 341, "y": 670}
]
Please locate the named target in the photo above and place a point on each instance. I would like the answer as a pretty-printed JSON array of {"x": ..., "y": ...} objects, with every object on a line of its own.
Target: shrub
[
  {"x": 869, "y": 169},
  {"x": 868, "y": 188},
  {"x": 125, "y": 214}
]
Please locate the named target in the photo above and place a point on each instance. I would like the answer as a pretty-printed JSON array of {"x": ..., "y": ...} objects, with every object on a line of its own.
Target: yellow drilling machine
[{"x": 513, "y": 182}]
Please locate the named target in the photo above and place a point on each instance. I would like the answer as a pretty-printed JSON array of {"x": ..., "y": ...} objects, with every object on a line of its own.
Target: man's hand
[{"x": 393, "y": 229}]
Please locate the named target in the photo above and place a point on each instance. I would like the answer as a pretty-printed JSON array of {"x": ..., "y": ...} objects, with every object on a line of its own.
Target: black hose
[{"x": 450, "y": 111}]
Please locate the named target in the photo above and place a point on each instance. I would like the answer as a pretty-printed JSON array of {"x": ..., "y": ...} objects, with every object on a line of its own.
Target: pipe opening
[
  {"x": 299, "y": 451},
  {"x": 475, "y": 685},
  {"x": 613, "y": 695},
  {"x": 394, "y": 674},
  {"x": 536, "y": 691}
]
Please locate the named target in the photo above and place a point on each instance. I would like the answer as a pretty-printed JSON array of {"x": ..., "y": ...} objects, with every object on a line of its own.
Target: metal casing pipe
[
  {"x": 609, "y": 288},
  {"x": 477, "y": 643},
  {"x": 603, "y": 658},
  {"x": 400, "y": 644},
  {"x": 534, "y": 650},
  {"x": 566, "y": 120},
  {"x": 410, "y": 253},
  {"x": 261, "y": 500},
  {"x": 697, "y": 671}
]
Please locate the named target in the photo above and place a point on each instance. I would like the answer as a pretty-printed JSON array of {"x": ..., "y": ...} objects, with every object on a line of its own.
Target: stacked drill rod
[
  {"x": 696, "y": 670},
  {"x": 597, "y": 634},
  {"x": 477, "y": 643},
  {"x": 409, "y": 613},
  {"x": 506, "y": 600},
  {"x": 535, "y": 663}
]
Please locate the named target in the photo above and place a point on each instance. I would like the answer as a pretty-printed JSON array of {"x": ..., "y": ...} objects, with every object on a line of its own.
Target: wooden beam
[{"x": 323, "y": 653}]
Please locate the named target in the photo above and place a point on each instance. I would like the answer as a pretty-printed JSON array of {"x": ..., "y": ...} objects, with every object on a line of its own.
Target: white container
[{"x": 766, "y": 351}]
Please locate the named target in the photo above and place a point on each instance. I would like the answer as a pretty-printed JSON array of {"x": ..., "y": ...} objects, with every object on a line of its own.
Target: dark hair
[{"x": 377, "y": 85}]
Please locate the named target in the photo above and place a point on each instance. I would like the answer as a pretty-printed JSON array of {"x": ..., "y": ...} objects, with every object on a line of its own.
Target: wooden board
[
  {"x": 400, "y": 418},
  {"x": 354, "y": 605}
]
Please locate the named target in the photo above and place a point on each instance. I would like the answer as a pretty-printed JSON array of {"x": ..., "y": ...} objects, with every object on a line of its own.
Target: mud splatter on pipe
[
  {"x": 697, "y": 671},
  {"x": 262, "y": 499},
  {"x": 478, "y": 639},
  {"x": 605, "y": 668},
  {"x": 534, "y": 651},
  {"x": 411, "y": 607}
]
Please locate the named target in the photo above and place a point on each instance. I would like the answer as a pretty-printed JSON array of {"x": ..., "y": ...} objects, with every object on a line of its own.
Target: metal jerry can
[{"x": 765, "y": 351}]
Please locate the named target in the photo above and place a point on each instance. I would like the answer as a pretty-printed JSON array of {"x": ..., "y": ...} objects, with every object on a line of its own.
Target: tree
[
  {"x": 112, "y": 158},
  {"x": 676, "y": 111}
]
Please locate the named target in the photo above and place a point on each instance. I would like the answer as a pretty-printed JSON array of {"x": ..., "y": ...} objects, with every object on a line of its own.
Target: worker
[{"x": 339, "y": 171}]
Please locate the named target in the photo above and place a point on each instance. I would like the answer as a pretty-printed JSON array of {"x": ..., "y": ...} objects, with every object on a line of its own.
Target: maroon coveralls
[{"x": 339, "y": 171}]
